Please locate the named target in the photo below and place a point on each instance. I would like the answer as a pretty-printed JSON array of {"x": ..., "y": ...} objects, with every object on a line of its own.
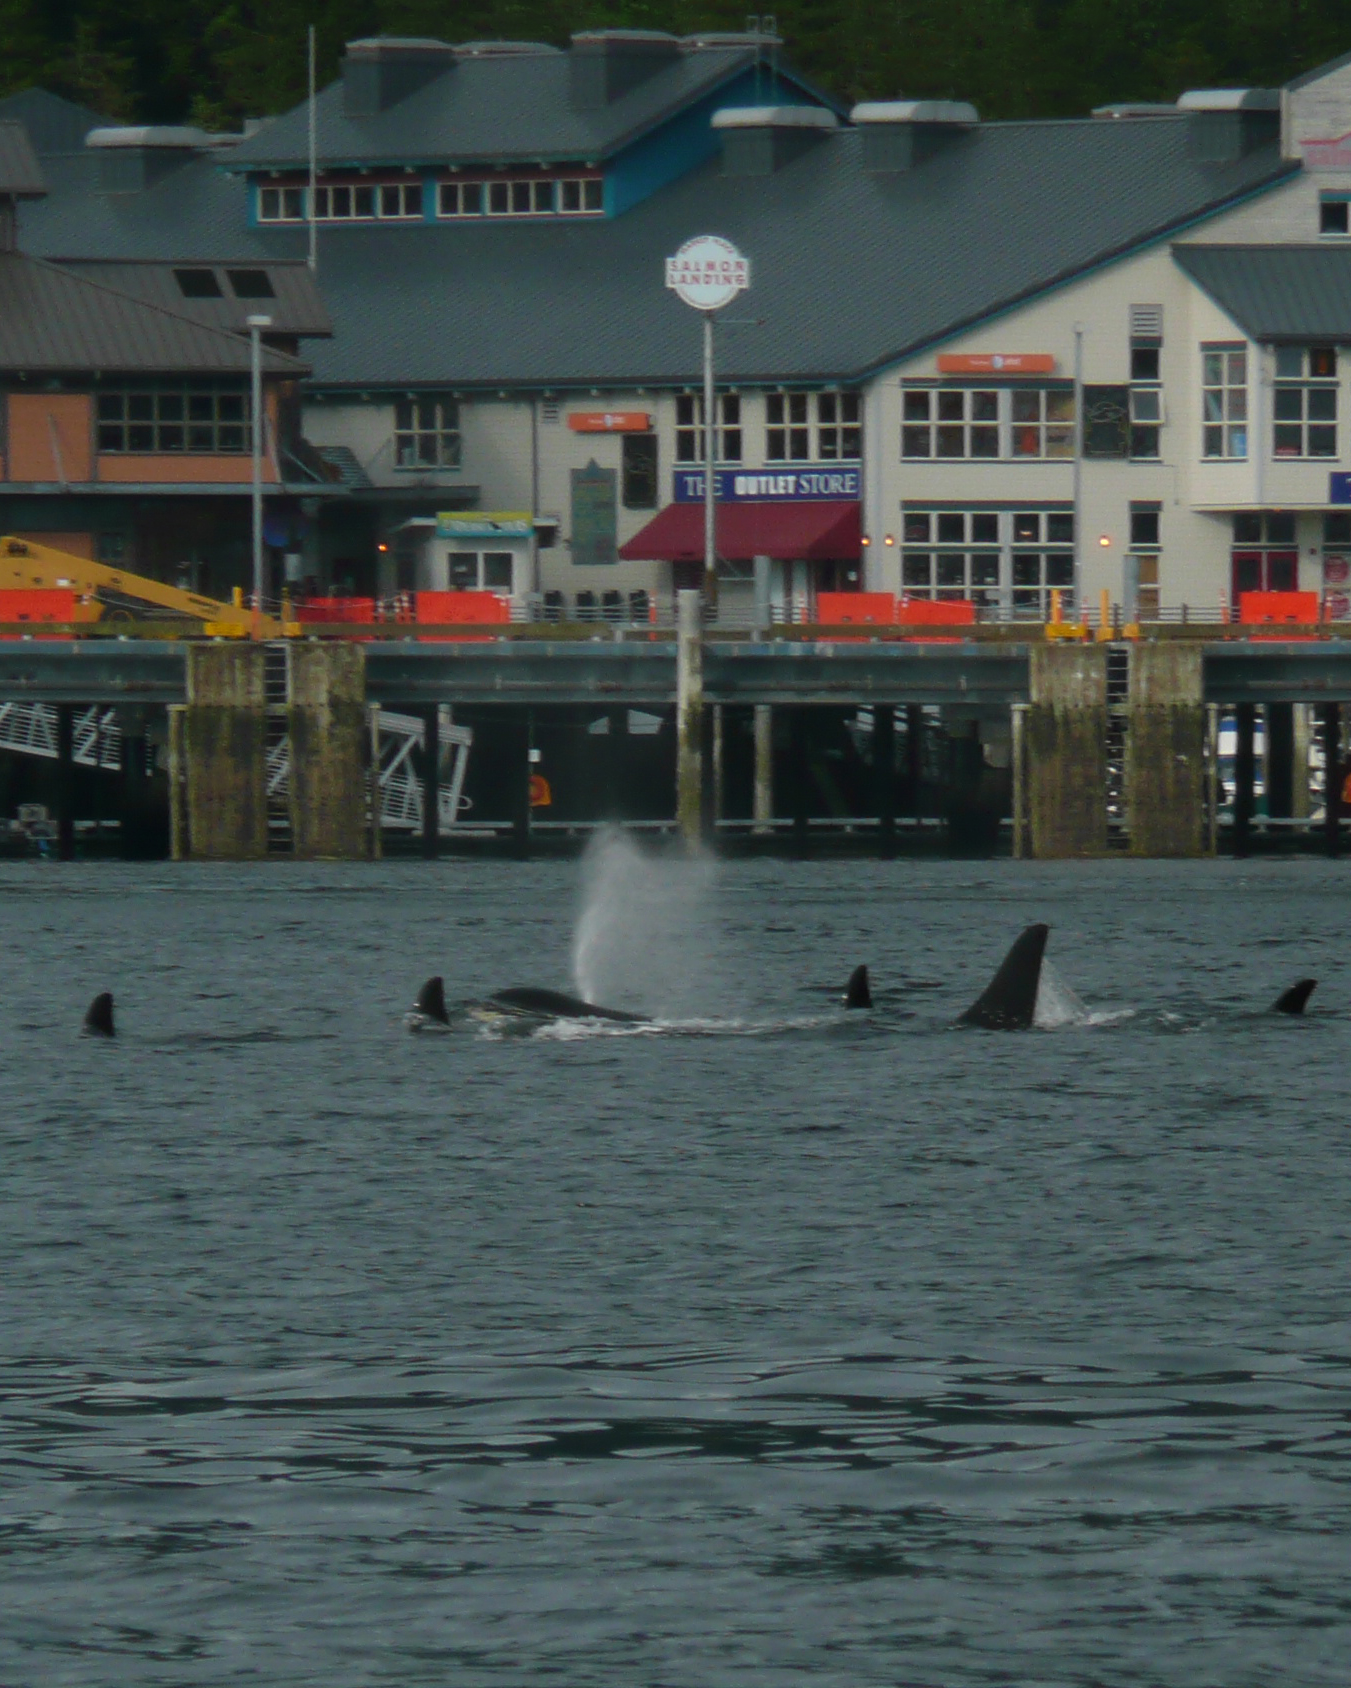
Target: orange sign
[
  {"x": 995, "y": 363},
  {"x": 609, "y": 421}
]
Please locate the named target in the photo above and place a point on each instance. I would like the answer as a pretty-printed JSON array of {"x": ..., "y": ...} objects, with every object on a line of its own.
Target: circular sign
[{"x": 708, "y": 272}]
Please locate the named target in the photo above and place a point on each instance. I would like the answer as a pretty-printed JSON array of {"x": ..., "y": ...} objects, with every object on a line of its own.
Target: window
[
  {"x": 1145, "y": 363},
  {"x": 427, "y": 433},
  {"x": 950, "y": 422},
  {"x": 1107, "y": 412},
  {"x": 792, "y": 419},
  {"x": 837, "y": 427},
  {"x": 690, "y": 446},
  {"x": 639, "y": 471},
  {"x": 459, "y": 199},
  {"x": 1146, "y": 420},
  {"x": 1265, "y": 556},
  {"x": 960, "y": 556},
  {"x": 281, "y": 205},
  {"x": 1142, "y": 563},
  {"x": 250, "y": 284},
  {"x": 1333, "y": 213},
  {"x": 1224, "y": 401},
  {"x": 788, "y": 432},
  {"x": 402, "y": 199},
  {"x": 1304, "y": 403},
  {"x": 1337, "y": 564},
  {"x": 198, "y": 284},
  {"x": 174, "y": 419},
  {"x": 1043, "y": 422},
  {"x": 345, "y": 203},
  {"x": 479, "y": 571}
]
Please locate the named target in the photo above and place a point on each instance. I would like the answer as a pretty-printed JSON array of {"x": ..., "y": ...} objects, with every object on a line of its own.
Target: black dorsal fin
[
  {"x": 1009, "y": 1002},
  {"x": 858, "y": 992},
  {"x": 431, "y": 1000},
  {"x": 98, "y": 1019},
  {"x": 1293, "y": 1000}
]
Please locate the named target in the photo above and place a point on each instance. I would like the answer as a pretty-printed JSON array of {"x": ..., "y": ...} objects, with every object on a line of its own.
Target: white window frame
[
  {"x": 1225, "y": 420},
  {"x": 689, "y": 433},
  {"x": 1304, "y": 387},
  {"x": 945, "y": 417},
  {"x": 413, "y": 426}
]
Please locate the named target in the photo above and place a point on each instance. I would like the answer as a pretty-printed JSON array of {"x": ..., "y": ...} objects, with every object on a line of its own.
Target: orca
[
  {"x": 531, "y": 1002},
  {"x": 1009, "y": 1002},
  {"x": 858, "y": 992},
  {"x": 98, "y": 1019},
  {"x": 1293, "y": 1000},
  {"x": 430, "y": 1008}
]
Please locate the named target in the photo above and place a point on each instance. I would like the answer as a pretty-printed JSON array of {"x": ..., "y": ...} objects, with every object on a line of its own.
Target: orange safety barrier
[
  {"x": 1297, "y": 609},
  {"x": 46, "y": 603},
  {"x": 926, "y": 612},
  {"x": 360, "y": 610},
  {"x": 845, "y": 609},
  {"x": 461, "y": 609}
]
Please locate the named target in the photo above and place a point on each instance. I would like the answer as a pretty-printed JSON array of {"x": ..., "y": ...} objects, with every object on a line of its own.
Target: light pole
[
  {"x": 255, "y": 326},
  {"x": 710, "y": 463}
]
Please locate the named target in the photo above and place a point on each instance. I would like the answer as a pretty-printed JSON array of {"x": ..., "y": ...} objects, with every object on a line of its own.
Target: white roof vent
[
  {"x": 898, "y": 134},
  {"x": 758, "y": 140},
  {"x": 775, "y": 117},
  {"x": 1225, "y": 124},
  {"x": 949, "y": 113}
]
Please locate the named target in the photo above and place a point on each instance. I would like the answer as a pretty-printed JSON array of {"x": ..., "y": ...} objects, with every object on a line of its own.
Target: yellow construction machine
[{"x": 106, "y": 594}]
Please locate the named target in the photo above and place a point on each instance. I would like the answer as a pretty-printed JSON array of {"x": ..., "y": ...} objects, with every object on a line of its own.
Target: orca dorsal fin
[
  {"x": 858, "y": 992},
  {"x": 431, "y": 1000},
  {"x": 1009, "y": 1002},
  {"x": 98, "y": 1018},
  {"x": 1293, "y": 1000}
]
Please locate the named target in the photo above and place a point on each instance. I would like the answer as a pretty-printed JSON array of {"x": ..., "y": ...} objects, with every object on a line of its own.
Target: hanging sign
[
  {"x": 995, "y": 363},
  {"x": 609, "y": 421},
  {"x": 784, "y": 486},
  {"x": 708, "y": 272}
]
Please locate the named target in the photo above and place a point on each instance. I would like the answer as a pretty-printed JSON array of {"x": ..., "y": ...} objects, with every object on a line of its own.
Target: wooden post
[
  {"x": 884, "y": 775},
  {"x": 326, "y": 715},
  {"x": 762, "y": 807},
  {"x": 1245, "y": 716}
]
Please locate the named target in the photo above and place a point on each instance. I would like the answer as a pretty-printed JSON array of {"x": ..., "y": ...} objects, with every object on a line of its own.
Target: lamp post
[
  {"x": 708, "y": 272},
  {"x": 255, "y": 326}
]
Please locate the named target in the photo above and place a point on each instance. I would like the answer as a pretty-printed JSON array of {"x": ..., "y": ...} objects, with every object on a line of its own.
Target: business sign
[
  {"x": 1339, "y": 487},
  {"x": 708, "y": 272},
  {"x": 484, "y": 524},
  {"x": 775, "y": 486},
  {"x": 609, "y": 421},
  {"x": 995, "y": 363}
]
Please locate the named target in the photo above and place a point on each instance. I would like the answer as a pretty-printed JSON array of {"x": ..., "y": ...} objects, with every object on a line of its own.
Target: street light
[{"x": 255, "y": 326}]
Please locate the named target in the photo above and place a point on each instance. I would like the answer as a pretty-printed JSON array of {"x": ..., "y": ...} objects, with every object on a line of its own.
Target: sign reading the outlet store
[{"x": 779, "y": 486}]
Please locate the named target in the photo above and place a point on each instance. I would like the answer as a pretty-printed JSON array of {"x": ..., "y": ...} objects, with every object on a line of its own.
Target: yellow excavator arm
[{"x": 27, "y": 565}]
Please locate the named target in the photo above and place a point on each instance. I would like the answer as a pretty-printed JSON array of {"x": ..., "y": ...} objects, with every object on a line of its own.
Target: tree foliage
[{"x": 217, "y": 61}]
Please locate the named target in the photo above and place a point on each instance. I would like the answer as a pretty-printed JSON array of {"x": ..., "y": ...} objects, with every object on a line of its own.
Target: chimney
[
  {"x": 1225, "y": 124},
  {"x": 132, "y": 159},
  {"x": 758, "y": 140},
  {"x": 606, "y": 64},
  {"x": 384, "y": 69},
  {"x": 899, "y": 134}
]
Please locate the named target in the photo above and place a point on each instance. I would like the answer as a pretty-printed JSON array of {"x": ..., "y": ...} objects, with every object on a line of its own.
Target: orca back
[
  {"x": 431, "y": 1001},
  {"x": 98, "y": 1018},
  {"x": 1009, "y": 1002},
  {"x": 1293, "y": 1000},
  {"x": 858, "y": 992},
  {"x": 541, "y": 1004}
]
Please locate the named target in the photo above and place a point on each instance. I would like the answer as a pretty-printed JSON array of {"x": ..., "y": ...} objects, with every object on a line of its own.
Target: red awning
[{"x": 822, "y": 530}]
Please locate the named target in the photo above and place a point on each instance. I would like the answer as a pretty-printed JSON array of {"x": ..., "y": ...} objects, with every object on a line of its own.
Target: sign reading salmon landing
[
  {"x": 782, "y": 486},
  {"x": 708, "y": 272}
]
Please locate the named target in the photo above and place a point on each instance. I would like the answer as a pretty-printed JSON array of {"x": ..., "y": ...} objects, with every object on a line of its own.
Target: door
[{"x": 1264, "y": 571}]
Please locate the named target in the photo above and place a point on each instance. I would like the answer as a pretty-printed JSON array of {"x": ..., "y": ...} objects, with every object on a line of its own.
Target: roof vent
[
  {"x": 898, "y": 134},
  {"x": 721, "y": 40},
  {"x": 758, "y": 140},
  {"x": 1225, "y": 124},
  {"x": 382, "y": 70},
  {"x": 608, "y": 63},
  {"x": 1135, "y": 108},
  {"x": 502, "y": 49},
  {"x": 131, "y": 159}
]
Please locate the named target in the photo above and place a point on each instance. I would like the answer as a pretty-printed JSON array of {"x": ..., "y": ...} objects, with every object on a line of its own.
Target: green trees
[{"x": 216, "y": 61}]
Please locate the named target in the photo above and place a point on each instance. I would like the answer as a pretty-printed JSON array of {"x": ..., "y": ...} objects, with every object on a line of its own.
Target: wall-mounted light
[
  {"x": 1105, "y": 540},
  {"x": 890, "y": 539},
  {"x": 865, "y": 540}
]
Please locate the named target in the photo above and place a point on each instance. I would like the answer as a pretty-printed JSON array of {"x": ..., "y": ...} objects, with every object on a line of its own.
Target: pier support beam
[
  {"x": 1245, "y": 720},
  {"x": 65, "y": 782},
  {"x": 690, "y": 719},
  {"x": 1280, "y": 760},
  {"x": 225, "y": 752},
  {"x": 326, "y": 714},
  {"x": 1065, "y": 751},
  {"x": 1331, "y": 728},
  {"x": 431, "y": 781},
  {"x": 521, "y": 737},
  {"x": 762, "y": 802},
  {"x": 884, "y": 775},
  {"x": 1165, "y": 783}
]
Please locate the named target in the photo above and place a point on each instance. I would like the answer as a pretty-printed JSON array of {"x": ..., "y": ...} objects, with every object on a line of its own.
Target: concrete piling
[
  {"x": 689, "y": 719},
  {"x": 65, "y": 782},
  {"x": 1331, "y": 729},
  {"x": 1245, "y": 722},
  {"x": 326, "y": 720},
  {"x": 1165, "y": 772},
  {"x": 762, "y": 802},
  {"x": 224, "y": 750},
  {"x": 1065, "y": 751},
  {"x": 431, "y": 780},
  {"x": 884, "y": 775}
]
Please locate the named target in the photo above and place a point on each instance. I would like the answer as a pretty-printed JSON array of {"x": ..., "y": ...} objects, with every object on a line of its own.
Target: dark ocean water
[{"x": 787, "y": 1347}]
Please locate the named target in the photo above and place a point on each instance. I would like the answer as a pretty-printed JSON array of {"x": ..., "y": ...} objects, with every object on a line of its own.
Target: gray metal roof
[
  {"x": 294, "y": 302},
  {"x": 515, "y": 106},
  {"x": 54, "y": 125},
  {"x": 20, "y": 172},
  {"x": 53, "y": 320},
  {"x": 850, "y": 269},
  {"x": 1277, "y": 292}
]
